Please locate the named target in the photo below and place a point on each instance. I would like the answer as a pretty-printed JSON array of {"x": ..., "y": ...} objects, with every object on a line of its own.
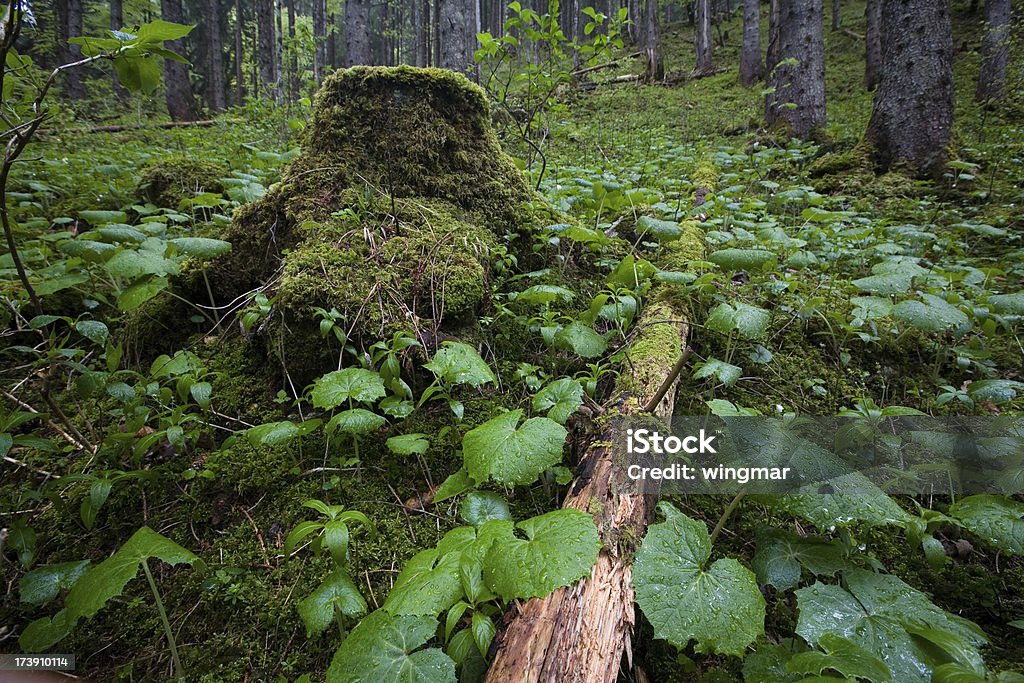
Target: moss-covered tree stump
[{"x": 389, "y": 215}]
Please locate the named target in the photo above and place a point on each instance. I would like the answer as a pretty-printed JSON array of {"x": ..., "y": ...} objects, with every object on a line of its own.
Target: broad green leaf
[
  {"x": 875, "y": 613},
  {"x": 480, "y": 507},
  {"x": 932, "y": 314},
  {"x": 159, "y": 30},
  {"x": 181, "y": 363},
  {"x": 43, "y": 633},
  {"x": 148, "y": 260},
  {"x": 202, "y": 248},
  {"x": 742, "y": 259},
  {"x": 544, "y": 294},
  {"x": 351, "y": 384},
  {"x": 561, "y": 547},
  {"x": 995, "y": 390},
  {"x": 140, "y": 293},
  {"x": 842, "y": 656},
  {"x": 43, "y": 584},
  {"x": 719, "y": 607},
  {"x": 277, "y": 433},
  {"x": 121, "y": 233},
  {"x": 561, "y": 399},
  {"x": 456, "y": 483},
  {"x": 871, "y": 307},
  {"x": 428, "y": 585},
  {"x": 201, "y": 393},
  {"x": 96, "y": 217},
  {"x": 501, "y": 450},
  {"x": 384, "y": 648},
  {"x": 336, "y": 594},
  {"x": 88, "y": 250},
  {"x": 107, "y": 579},
  {"x": 408, "y": 444},
  {"x": 726, "y": 373},
  {"x": 631, "y": 273},
  {"x": 750, "y": 321},
  {"x": 998, "y": 520},
  {"x": 52, "y": 285},
  {"x": 1008, "y": 304},
  {"x": 581, "y": 339},
  {"x": 662, "y": 231},
  {"x": 780, "y": 557},
  {"x": 458, "y": 363},
  {"x": 355, "y": 421},
  {"x": 94, "y": 331}
]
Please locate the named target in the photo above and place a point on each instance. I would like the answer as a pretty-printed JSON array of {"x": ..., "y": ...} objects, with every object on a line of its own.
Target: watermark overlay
[
  {"x": 794, "y": 454},
  {"x": 37, "y": 663}
]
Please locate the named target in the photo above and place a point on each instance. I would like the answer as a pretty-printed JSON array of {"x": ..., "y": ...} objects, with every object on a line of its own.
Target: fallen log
[
  {"x": 119, "y": 128},
  {"x": 578, "y": 634},
  {"x": 605, "y": 65}
]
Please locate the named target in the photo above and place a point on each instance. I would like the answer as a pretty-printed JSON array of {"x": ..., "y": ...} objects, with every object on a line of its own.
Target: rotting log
[
  {"x": 578, "y": 634},
  {"x": 119, "y": 128}
]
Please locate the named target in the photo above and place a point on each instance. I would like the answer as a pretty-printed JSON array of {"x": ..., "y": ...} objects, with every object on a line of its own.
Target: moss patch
[{"x": 168, "y": 181}]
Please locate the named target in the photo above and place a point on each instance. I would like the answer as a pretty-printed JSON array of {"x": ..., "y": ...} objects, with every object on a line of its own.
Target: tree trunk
[
  {"x": 578, "y": 634},
  {"x": 872, "y": 44},
  {"x": 320, "y": 37},
  {"x": 913, "y": 110},
  {"x": 116, "y": 24},
  {"x": 70, "y": 26},
  {"x": 215, "y": 96},
  {"x": 357, "y": 32},
  {"x": 751, "y": 66},
  {"x": 995, "y": 50},
  {"x": 837, "y": 14},
  {"x": 332, "y": 41},
  {"x": 455, "y": 27},
  {"x": 293, "y": 78},
  {"x": 266, "y": 44},
  {"x": 652, "y": 43},
  {"x": 278, "y": 49},
  {"x": 702, "y": 36},
  {"x": 799, "y": 35},
  {"x": 633, "y": 27},
  {"x": 771, "y": 57},
  {"x": 417, "y": 33},
  {"x": 181, "y": 104},
  {"x": 239, "y": 54}
]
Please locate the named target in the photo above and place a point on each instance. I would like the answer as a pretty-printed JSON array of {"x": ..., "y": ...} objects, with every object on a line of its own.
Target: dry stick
[
  {"x": 140, "y": 126},
  {"x": 606, "y": 65},
  {"x": 67, "y": 437},
  {"x": 669, "y": 380}
]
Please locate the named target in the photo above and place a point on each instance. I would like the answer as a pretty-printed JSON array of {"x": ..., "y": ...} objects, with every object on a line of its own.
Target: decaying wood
[
  {"x": 578, "y": 634},
  {"x": 141, "y": 126},
  {"x": 605, "y": 65}
]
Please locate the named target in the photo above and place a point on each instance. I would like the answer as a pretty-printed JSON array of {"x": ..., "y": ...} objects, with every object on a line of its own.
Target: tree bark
[
  {"x": 266, "y": 45},
  {"x": 332, "y": 41},
  {"x": 239, "y": 54},
  {"x": 455, "y": 27},
  {"x": 912, "y": 117},
  {"x": 995, "y": 51},
  {"x": 320, "y": 37},
  {"x": 837, "y": 14},
  {"x": 357, "y": 32},
  {"x": 652, "y": 43},
  {"x": 578, "y": 634},
  {"x": 181, "y": 104},
  {"x": 116, "y": 24},
  {"x": 293, "y": 54},
  {"x": 702, "y": 36},
  {"x": 278, "y": 49},
  {"x": 633, "y": 34},
  {"x": 799, "y": 76},
  {"x": 873, "y": 44},
  {"x": 215, "y": 94},
  {"x": 751, "y": 66},
  {"x": 70, "y": 26}
]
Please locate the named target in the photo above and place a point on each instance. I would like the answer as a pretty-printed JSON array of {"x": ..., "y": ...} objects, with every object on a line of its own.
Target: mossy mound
[
  {"x": 169, "y": 180},
  {"x": 389, "y": 216}
]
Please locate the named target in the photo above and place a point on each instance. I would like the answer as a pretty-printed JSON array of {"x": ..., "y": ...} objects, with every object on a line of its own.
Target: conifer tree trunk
[
  {"x": 455, "y": 27},
  {"x": 332, "y": 41},
  {"x": 116, "y": 24},
  {"x": 320, "y": 38},
  {"x": 872, "y": 44},
  {"x": 239, "y": 54},
  {"x": 70, "y": 26},
  {"x": 181, "y": 104},
  {"x": 995, "y": 50},
  {"x": 266, "y": 44},
  {"x": 751, "y": 66},
  {"x": 702, "y": 37},
  {"x": 293, "y": 56},
  {"x": 357, "y": 32},
  {"x": 837, "y": 14},
  {"x": 215, "y": 96},
  {"x": 912, "y": 118},
  {"x": 652, "y": 43},
  {"x": 797, "y": 100},
  {"x": 278, "y": 49}
]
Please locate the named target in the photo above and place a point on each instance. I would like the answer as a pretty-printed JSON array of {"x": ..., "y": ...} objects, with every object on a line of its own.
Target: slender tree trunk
[
  {"x": 278, "y": 49},
  {"x": 702, "y": 37},
  {"x": 357, "y": 32},
  {"x": 215, "y": 93},
  {"x": 837, "y": 14},
  {"x": 995, "y": 50},
  {"x": 435, "y": 43},
  {"x": 456, "y": 33},
  {"x": 320, "y": 36},
  {"x": 116, "y": 24},
  {"x": 801, "y": 84},
  {"x": 652, "y": 43},
  {"x": 70, "y": 24},
  {"x": 181, "y": 104},
  {"x": 771, "y": 57},
  {"x": 498, "y": 18},
  {"x": 751, "y": 66},
  {"x": 293, "y": 54},
  {"x": 419, "y": 34},
  {"x": 332, "y": 41},
  {"x": 633, "y": 28},
  {"x": 912, "y": 116},
  {"x": 239, "y": 54},
  {"x": 872, "y": 44},
  {"x": 266, "y": 45}
]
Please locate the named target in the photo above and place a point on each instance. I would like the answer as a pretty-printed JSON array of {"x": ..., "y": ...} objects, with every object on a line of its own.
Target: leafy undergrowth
[{"x": 396, "y": 506}]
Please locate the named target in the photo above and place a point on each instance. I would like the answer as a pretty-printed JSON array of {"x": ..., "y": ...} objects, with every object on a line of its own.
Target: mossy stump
[{"x": 389, "y": 215}]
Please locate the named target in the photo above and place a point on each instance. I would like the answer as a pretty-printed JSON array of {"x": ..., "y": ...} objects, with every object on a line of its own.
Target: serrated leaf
[
  {"x": 336, "y": 594},
  {"x": 355, "y": 421},
  {"x": 408, "y": 444},
  {"x": 995, "y": 390},
  {"x": 459, "y": 363},
  {"x": 277, "y": 433},
  {"x": 780, "y": 556},
  {"x": 561, "y": 547},
  {"x": 581, "y": 339},
  {"x": 719, "y": 607},
  {"x": 561, "y": 398},
  {"x": 383, "y": 647},
  {"x": 932, "y": 314},
  {"x": 998, "y": 520},
  {"x": 351, "y": 384},
  {"x": 726, "y": 373},
  {"x": 501, "y": 450},
  {"x": 842, "y": 656},
  {"x": 43, "y": 584},
  {"x": 480, "y": 507},
  {"x": 750, "y": 321},
  {"x": 429, "y": 584},
  {"x": 1007, "y": 304}
]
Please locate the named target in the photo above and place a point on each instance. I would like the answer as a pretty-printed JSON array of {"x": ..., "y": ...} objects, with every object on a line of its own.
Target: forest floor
[{"x": 831, "y": 341}]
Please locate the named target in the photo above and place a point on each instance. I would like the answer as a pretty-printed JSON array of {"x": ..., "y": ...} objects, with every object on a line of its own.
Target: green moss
[{"x": 167, "y": 181}]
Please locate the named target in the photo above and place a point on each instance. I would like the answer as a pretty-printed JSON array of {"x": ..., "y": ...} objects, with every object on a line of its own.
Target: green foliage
[
  {"x": 506, "y": 452},
  {"x": 561, "y": 399},
  {"x": 997, "y": 520},
  {"x": 384, "y": 647},
  {"x": 719, "y": 606}
]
